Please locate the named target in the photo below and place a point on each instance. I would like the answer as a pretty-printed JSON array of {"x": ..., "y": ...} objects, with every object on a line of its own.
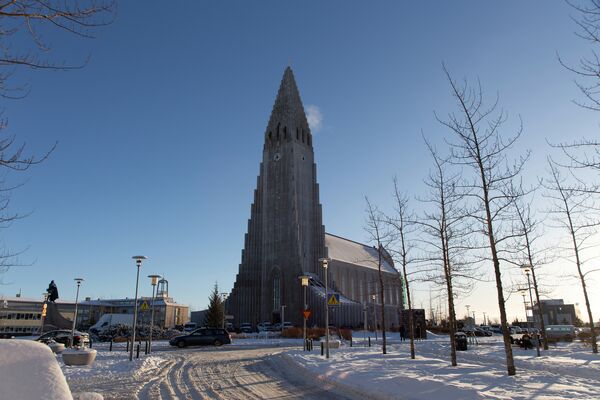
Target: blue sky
[{"x": 160, "y": 135}]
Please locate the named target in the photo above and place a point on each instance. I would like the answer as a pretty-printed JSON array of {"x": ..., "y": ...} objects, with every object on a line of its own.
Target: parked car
[
  {"x": 286, "y": 325},
  {"x": 265, "y": 327},
  {"x": 64, "y": 336},
  {"x": 246, "y": 327},
  {"x": 560, "y": 332},
  {"x": 202, "y": 336},
  {"x": 190, "y": 327}
]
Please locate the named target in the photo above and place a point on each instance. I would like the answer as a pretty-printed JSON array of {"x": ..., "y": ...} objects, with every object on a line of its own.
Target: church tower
[{"x": 285, "y": 235}]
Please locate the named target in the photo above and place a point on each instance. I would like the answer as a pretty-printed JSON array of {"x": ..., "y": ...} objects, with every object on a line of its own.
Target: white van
[
  {"x": 560, "y": 332},
  {"x": 107, "y": 320}
]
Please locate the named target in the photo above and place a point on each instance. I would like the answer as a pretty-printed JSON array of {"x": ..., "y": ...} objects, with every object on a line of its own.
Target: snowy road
[{"x": 229, "y": 372}]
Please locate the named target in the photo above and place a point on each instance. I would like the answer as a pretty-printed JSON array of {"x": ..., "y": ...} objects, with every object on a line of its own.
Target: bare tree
[
  {"x": 531, "y": 253},
  {"x": 402, "y": 223},
  {"x": 375, "y": 226},
  {"x": 478, "y": 145},
  {"x": 576, "y": 213},
  {"x": 445, "y": 237},
  {"x": 30, "y": 18},
  {"x": 19, "y": 18},
  {"x": 585, "y": 153}
]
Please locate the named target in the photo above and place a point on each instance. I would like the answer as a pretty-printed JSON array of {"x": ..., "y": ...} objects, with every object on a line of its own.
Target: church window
[
  {"x": 308, "y": 138},
  {"x": 276, "y": 291},
  {"x": 285, "y": 132},
  {"x": 270, "y": 135},
  {"x": 303, "y": 136},
  {"x": 297, "y": 134},
  {"x": 278, "y": 131}
]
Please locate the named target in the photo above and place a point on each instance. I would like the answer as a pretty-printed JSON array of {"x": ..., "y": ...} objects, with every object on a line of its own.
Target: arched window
[
  {"x": 297, "y": 134},
  {"x": 270, "y": 135},
  {"x": 309, "y": 139},
  {"x": 303, "y": 136},
  {"x": 276, "y": 290},
  {"x": 278, "y": 131},
  {"x": 285, "y": 132}
]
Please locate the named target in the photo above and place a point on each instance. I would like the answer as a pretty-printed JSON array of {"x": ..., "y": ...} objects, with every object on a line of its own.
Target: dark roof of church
[{"x": 352, "y": 252}]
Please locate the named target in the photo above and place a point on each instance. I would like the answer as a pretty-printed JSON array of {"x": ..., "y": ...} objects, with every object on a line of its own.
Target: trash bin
[{"x": 461, "y": 341}]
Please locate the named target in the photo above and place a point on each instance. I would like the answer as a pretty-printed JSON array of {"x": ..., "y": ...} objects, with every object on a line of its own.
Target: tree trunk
[
  {"x": 411, "y": 329},
  {"x": 382, "y": 298}
]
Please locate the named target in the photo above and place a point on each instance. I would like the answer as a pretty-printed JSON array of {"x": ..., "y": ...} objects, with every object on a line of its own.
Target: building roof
[
  {"x": 19, "y": 299},
  {"x": 352, "y": 252}
]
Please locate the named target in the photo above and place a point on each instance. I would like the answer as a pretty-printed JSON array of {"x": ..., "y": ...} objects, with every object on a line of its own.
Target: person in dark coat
[
  {"x": 402, "y": 334},
  {"x": 52, "y": 292}
]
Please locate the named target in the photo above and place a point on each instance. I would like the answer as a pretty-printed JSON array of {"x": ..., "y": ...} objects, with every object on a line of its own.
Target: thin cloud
[{"x": 314, "y": 117}]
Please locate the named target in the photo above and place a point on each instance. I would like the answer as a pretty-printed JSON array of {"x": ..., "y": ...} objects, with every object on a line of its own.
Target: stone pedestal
[{"x": 79, "y": 356}]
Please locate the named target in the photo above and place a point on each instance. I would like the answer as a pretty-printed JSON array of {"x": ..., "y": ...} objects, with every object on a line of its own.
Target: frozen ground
[
  {"x": 242, "y": 371},
  {"x": 257, "y": 368},
  {"x": 568, "y": 371}
]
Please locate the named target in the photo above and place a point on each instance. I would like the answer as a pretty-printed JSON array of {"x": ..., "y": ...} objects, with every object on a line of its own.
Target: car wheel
[
  {"x": 181, "y": 344},
  {"x": 217, "y": 343}
]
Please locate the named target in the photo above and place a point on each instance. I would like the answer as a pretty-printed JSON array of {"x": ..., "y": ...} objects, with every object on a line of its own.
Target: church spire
[{"x": 288, "y": 111}]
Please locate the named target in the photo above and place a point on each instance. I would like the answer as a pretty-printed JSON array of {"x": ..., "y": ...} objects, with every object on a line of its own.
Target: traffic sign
[
  {"x": 145, "y": 306},
  {"x": 306, "y": 314},
  {"x": 334, "y": 299}
]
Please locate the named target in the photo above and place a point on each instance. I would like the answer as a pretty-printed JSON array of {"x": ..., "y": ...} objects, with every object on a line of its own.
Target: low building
[
  {"x": 167, "y": 312},
  {"x": 21, "y": 316},
  {"x": 555, "y": 312}
]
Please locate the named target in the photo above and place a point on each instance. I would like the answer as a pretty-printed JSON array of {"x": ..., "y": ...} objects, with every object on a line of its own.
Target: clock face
[{"x": 277, "y": 157}]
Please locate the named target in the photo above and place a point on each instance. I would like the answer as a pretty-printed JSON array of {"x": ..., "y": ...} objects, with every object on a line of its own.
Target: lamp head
[
  {"x": 154, "y": 279},
  {"x": 526, "y": 268},
  {"x": 324, "y": 262},
  {"x": 139, "y": 259},
  {"x": 78, "y": 280},
  {"x": 304, "y": 279}
]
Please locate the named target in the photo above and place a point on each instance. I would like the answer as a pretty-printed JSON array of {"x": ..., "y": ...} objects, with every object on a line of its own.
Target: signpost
[{"x": 307, "y": 314}]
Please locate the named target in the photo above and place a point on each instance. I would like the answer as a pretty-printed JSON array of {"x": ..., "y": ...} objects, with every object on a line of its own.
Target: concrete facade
[{"x": 286, "y": 236}]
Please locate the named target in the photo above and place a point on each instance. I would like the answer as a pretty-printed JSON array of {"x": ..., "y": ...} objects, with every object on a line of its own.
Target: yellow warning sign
[
  {"x": 145, "y": 306},
  {"x": 334, "y": 299}
]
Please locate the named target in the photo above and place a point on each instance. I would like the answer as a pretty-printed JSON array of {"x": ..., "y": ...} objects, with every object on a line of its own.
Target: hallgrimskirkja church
[{"x": 286, "y": 238}]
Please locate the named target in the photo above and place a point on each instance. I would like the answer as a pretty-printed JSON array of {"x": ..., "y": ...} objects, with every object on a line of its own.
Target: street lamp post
[
  {"x": 523, "y": 293},
  {"x": 527, "y": 270},
  {"x": 154, "y": 281},
  {"x": 304, "y": 281},
  {"x": 138, "y": 263},
  {"x": 373, "y": 297},
  {"x": 223, "y": 298},
  {"x": 78, "y": 280},
  {"x": 484, "y": 318},
  {"x": 325, "y": 264}
]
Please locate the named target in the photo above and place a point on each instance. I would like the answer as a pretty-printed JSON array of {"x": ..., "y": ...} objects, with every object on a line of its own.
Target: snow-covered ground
[
  {"x": 278, "y": 366},
  {"x": 566, "y": 371}
]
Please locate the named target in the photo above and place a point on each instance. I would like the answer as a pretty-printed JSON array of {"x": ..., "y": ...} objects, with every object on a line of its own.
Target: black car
[
  {"x": 202, "y": 336},
  {"x": 64, "y": 336}
]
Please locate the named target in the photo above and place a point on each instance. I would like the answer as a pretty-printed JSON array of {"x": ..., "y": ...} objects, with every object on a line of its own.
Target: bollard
[
  {"x": 322, "y": 349},
  {"x": 146, "y": 351},
  {"x": 137, "y": 351},
  {"x": 311, "y": 344},
  {"x": 127, "y": 348},
  {"x": 351, "y": 341},
  {"x": 369, "y": 341},
  {"x": 110, "y": 347}
]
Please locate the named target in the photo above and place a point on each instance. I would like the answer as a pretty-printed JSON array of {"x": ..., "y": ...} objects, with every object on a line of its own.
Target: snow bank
[
  {"x": 29, "y": 370},
  {"x": 568, "y": 371}
]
